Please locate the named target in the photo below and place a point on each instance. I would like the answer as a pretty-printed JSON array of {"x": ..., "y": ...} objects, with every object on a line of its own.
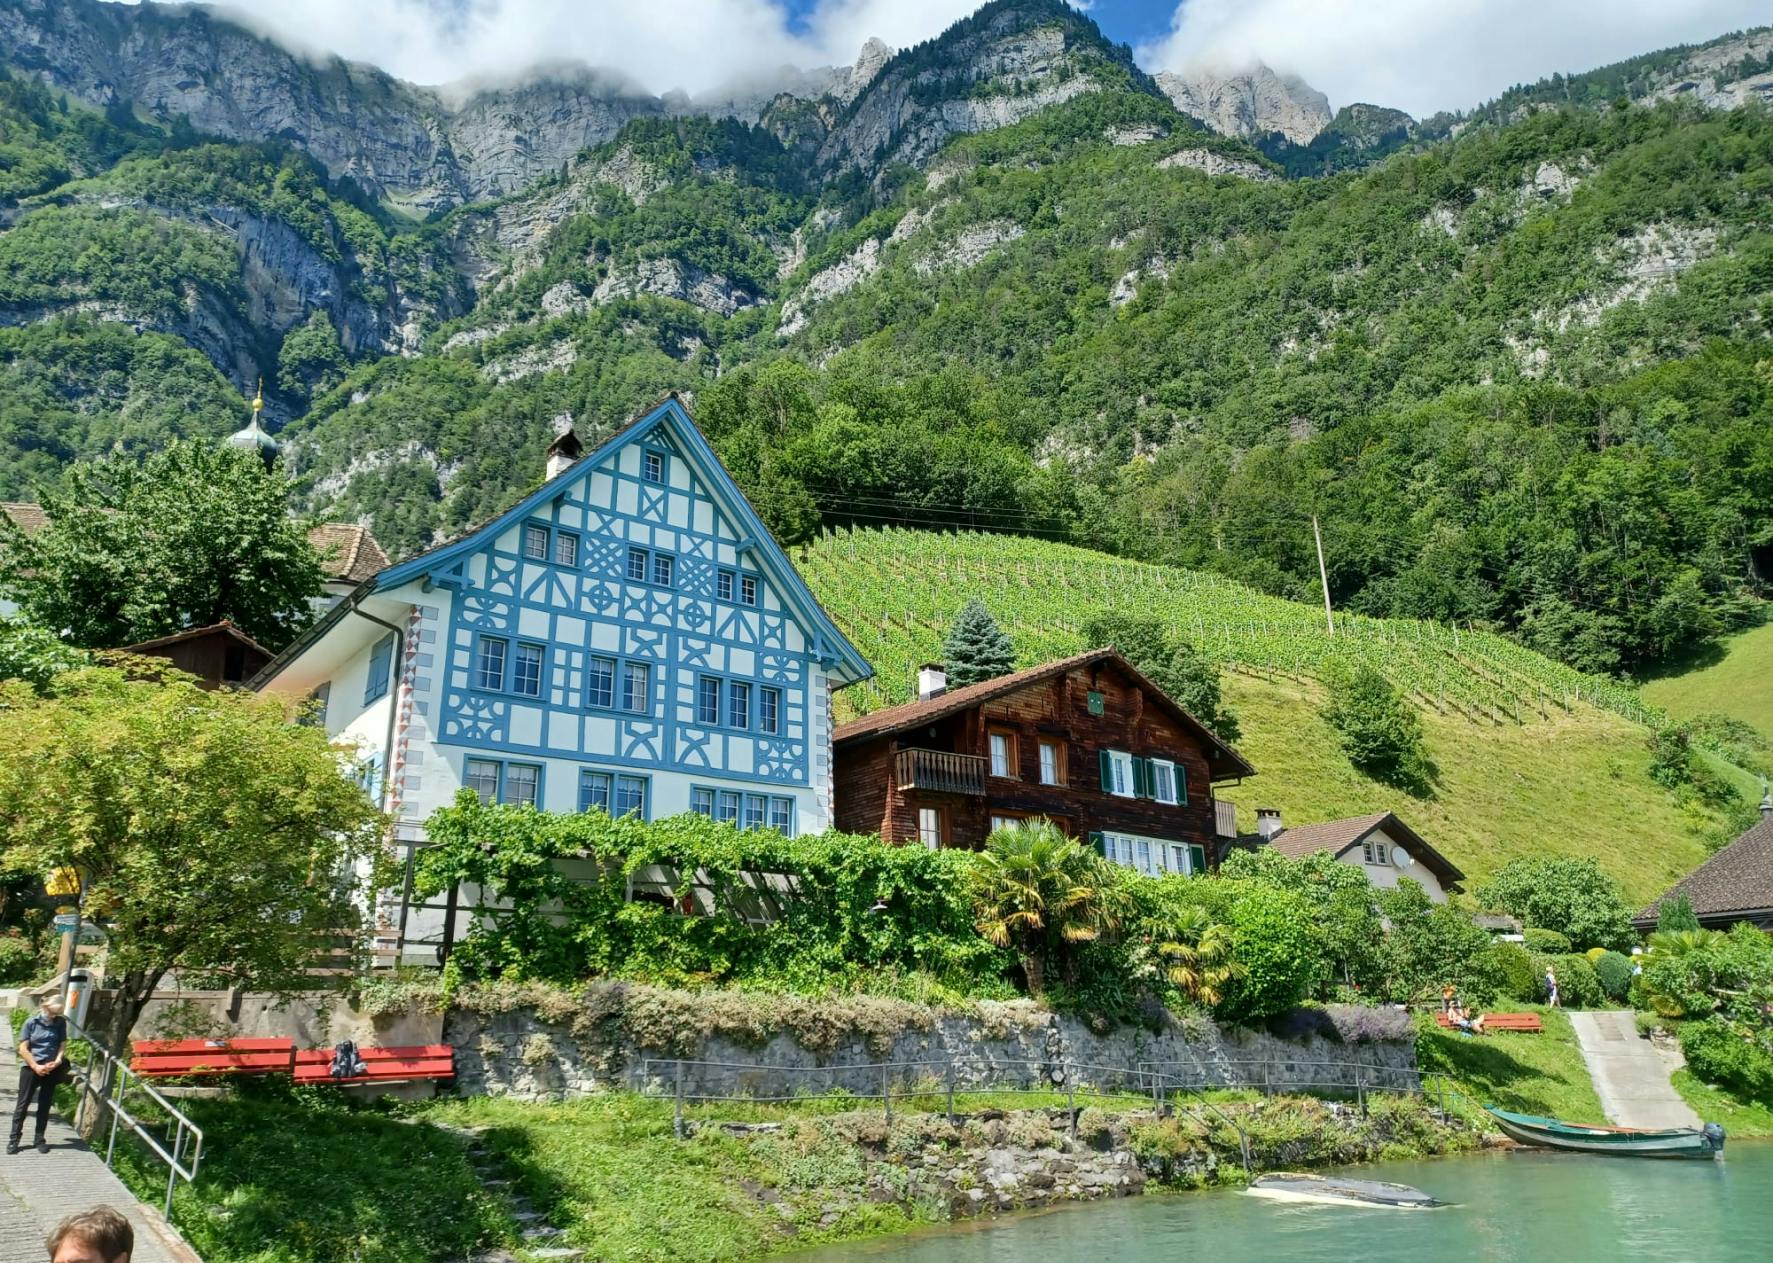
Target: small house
[
  {"x": 1379, "y": 844},
  {"x": 1734, "y": 885}
]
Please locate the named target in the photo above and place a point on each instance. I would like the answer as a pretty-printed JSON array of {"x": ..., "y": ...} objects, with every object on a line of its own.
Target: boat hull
[
  {"x": 1322, "y": 1190},
  {"x": 1617, "y": 1142}
]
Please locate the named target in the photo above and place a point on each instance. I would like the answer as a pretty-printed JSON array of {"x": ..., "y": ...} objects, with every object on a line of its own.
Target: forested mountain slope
[{"x": 1521, "y": 374}]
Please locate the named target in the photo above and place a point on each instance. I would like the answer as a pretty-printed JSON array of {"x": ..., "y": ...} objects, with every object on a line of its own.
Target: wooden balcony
[{"x": 938, "y": 772}]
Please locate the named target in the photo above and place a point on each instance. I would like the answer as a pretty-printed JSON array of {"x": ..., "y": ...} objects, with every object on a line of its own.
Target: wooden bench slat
[
  {"x": 173, "y": 1046},
  {"x": 1526, "y": 1023}
]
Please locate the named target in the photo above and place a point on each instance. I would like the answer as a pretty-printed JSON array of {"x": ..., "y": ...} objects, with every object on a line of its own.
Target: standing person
[
  {"x": 43, "y": 1047},
  {"x": 1551, "y": 987},
  {"x": 99, "y": 1235}
]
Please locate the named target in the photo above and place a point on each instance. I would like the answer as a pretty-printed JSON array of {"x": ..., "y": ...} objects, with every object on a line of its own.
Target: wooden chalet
[
  {"x": 1087, "y": 742},
  {"x": 220, "y": 655}
]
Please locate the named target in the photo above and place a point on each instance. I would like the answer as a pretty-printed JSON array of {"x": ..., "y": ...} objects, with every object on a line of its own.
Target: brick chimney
[
  {"x": 1268, "y": 822},
  {"x": 932, "y": 681}
]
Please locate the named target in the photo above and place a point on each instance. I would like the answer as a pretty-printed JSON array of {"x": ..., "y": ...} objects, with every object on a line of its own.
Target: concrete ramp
[{"x": 1630, "y": 1075}]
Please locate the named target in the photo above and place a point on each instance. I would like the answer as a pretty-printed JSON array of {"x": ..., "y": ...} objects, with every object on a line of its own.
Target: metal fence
[{"x": 106, "y": 1083}]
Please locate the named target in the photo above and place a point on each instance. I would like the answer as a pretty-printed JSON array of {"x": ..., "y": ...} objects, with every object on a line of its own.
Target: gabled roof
[
  {"x": 830, "y": 645},
  {"x": 1224, "y": 761},
  {"x": 348, "y": 552},
  {"x": 1338, "y": 837},
  {"x": 1734, "y": 883},
  {"x": 193, "y": 633}
]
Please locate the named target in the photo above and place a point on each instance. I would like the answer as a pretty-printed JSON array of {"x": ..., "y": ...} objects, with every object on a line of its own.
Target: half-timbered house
[
  {"x": 629, "y": 637},
  {"x": 1087, "y": 742}
]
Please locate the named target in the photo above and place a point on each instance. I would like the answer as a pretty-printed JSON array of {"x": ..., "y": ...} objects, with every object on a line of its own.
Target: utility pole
[{"x": 1323, "y": 573}]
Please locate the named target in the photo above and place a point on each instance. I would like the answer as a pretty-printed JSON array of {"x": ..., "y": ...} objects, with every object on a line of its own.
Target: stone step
[
  {"x": 557, "y": 1252},
  {"x": 547, "y": 1232}
]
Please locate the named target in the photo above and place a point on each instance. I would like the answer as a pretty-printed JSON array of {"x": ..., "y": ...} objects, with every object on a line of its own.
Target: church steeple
[{"x": 253, "y": 437}]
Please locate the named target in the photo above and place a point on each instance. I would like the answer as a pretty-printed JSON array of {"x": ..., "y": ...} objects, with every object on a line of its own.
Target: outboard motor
[{"x": 1714, "y": 1136}]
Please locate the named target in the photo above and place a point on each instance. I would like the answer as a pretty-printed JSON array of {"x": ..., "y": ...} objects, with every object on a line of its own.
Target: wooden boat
[
  {"x": 1625, "y": 1142},
  {"x": 1330, "y": 1190}
]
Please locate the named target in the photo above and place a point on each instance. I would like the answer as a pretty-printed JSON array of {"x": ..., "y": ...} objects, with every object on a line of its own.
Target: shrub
[
  {"x": 1517, "y": 978},
  {"x": 1379, "y": 731},
  {"x": 1578, "y": 988},
  {"x": 1431, "y": 945},
  {"x": 1717, "y": 1053},
  {"x": 1614, "y": 972},
  {"x": 1694, "y": 973},
  {"x": 1676, "y": 914},
  {"x": 1549, "y": 942},
  {"x": 18, "y": 960},
  {"x": 1570, "y": 893},
  {"x": 1278, "y": 949}
]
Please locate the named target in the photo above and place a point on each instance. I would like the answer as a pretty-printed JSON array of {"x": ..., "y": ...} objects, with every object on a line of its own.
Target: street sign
[{"x": 67, "y": 922}]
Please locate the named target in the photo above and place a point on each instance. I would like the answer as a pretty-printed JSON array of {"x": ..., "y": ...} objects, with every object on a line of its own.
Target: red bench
[
  {"x": 1520, "y": 1023},
  {"x": 385, "y": 1065},
  {"x": 177, "y": 1058}
]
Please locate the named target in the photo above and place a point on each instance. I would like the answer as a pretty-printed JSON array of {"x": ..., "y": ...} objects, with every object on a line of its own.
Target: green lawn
[
  {"x": 1739, "y": 684},
  {"x": 1742, "y": 1120},
  {"x": 1576, "y": 784},
  {"x": 1532, "y": 1074}
]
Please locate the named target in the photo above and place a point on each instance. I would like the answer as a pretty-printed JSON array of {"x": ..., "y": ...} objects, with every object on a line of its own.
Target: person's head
[
  {"x": 52, "y": 1006},
  {"x": 99, "y": 1235}
]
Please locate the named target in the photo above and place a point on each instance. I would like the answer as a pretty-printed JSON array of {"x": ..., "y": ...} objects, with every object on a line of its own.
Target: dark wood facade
[
  {"x": 937, "y": 755},
  {"x": 220, "y": 656}
]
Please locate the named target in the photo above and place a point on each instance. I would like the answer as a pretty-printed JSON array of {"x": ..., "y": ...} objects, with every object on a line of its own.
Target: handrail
[{"x": 116, "y": 1082}]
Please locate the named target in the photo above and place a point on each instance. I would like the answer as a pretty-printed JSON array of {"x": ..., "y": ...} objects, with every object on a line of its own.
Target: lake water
[{"x": 1509, "y": 1207}]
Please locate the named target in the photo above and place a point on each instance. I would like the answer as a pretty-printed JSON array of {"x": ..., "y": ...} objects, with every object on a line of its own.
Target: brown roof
[
  {"x": 192, "y": 633},
  {"x": 1737, "y": 880},
  {"x": 1339, "y": 836},
  {"x": 348, "y": 552},
  {"x": 916, "y": 714}
]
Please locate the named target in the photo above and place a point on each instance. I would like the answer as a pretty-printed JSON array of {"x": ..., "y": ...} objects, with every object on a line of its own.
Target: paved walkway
[
  {"x": 38, "y": 1189},
  {"x": 1630, "y": 1075}
]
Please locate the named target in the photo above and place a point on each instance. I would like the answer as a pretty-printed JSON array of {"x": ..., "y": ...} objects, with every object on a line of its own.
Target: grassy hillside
[
  {"x": 1533, "y": 757},
  {"x": 1737, "y": 682}
]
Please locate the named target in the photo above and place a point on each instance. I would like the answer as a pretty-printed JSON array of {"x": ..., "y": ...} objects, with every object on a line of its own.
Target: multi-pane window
[
  {"x": 782, "y": 815},
  {"x": 535, "y": 542},
  {"x": 381, "y": 669},
  {"x": 646, "y": 566},
  {"x": 662, "y": 570},
  {"x": 521, "y": 781},
  {"x": 723, "y": 585},
  {"x": 600, "y": 684},
  {"x": 702, "y": 801},
  {"x": 769, "y": 711},
  {"x": 738, "y": 705},
  {"x": 1052, "y": 763},
  {"x": 756, "y": 811},
  {"x": 526, "y": 670},
  {"x": 594, "y": 790},
  {"x": 652, "y": 466},
  {"x": 1117, "y": 774},
  {"x": 482, "y": 776},
  {"x": 1007, "y": 822},
  {"x": 929, "y": 827},
  {"x": 729, "y": 806},
  {"x": 542, "y": 542},
  {"x": 1163, "y": 780},
  {"x": 748, "y": 811},
  {"x": 489, "y": 663},
  {"x": 1003, "y": 753},
  {"x": 747, "y": 589},
  {"x": 630, "y": 796},
  {"x": 637, "y": 567},
  {"x": 566, "y": 549},
  {"x": 708, "y": 700},
  {"x": 636, "y": 686}
]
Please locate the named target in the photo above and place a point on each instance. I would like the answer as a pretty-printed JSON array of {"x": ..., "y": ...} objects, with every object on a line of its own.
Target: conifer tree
[{"x": 976, "y": 648}]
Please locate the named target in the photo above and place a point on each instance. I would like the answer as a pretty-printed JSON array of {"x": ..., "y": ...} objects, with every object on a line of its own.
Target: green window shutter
[
  {"x": 1107, "y": 772},
  {"x": 1197, "y": 856},
  {"x": 1181, "y": 783},
  {"x": 1147, "y": 778},
  {"x": 1096, "y": 845}
]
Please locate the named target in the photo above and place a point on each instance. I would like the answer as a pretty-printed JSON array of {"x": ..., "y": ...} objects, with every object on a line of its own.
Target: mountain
[
  {"x": 1250, "y": 103},
  {"x": 1516, "y": 369}
]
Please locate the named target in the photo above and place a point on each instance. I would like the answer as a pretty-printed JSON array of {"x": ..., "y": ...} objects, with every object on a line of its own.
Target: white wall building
[
  {"x": 1381, "y": 845},
  {"x": 628, "y": 638}
]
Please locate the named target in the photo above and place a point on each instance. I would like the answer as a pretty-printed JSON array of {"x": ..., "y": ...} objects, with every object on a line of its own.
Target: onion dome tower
[{"x": 253, "y": 438}]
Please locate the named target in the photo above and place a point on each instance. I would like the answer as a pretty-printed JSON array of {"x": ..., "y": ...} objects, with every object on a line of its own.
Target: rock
[
  {"x": 839, "y": 278},
  {"x": 1210, "y": 163},
  {"x": 1249, "y": 103},
  {"x": 668, "y": 278},
  {"x": 1551, "y": 181},
  {"x": 970, "y": 247}
]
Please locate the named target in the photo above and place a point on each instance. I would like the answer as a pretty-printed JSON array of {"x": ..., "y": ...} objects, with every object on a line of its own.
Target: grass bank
[
  {"x": 1734, "y": 678},
  {"x": 1742, "y": 1120},
  {"x": 1531, "y": 1074}
]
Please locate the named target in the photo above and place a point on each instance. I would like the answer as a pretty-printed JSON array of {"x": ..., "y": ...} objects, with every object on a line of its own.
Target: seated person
[{"x": 1470, "y": 1023}]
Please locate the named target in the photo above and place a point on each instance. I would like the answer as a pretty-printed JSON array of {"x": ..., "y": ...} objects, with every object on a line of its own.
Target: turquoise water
[{"x": 1530, "y": 1207}]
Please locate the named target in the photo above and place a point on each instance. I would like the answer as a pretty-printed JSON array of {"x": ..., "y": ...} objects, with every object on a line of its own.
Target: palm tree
[
  {"x": 1197, "y": 956},
  {"x": 1036, "y": 891},
  {"x": 1680, "y": 942}
]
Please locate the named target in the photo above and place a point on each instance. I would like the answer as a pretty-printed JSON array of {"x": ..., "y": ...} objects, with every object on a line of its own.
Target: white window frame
[
  {"x": 1159, "y": 767},
  {"x": 929, "y": 827},
  {"x": 1049, "y": 762},
  {"x": 1121, "y": 763},
  {"x": 994, "y": 741}
]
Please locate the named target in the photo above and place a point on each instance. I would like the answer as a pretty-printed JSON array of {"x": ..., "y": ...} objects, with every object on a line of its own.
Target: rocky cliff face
[{"x": 1249, "y": 103}]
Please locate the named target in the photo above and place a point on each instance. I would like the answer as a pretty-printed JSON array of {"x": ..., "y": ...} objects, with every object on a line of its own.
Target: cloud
[
  {"x": 1428, "y": 55},
  {"x": 696, "y": 45}
]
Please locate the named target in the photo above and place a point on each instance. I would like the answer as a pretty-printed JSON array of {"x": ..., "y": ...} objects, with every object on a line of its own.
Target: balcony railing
[
  {"x": 1224, "y": 818},
  {"x": 937, "y": 771}
]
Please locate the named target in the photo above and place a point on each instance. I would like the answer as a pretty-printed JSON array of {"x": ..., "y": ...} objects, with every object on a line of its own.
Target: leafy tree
[
  {"x": 1277, "y": 946},
  {"x": 33, "y": 654},
  {"x": 212, "y": 835},
  {"x": 976, "y": 648},
  {"x": 1430, "y": 945},
  {"x": 1380, "y": 732},
  {"x": 1171, "y": 662},
  {"x": 1038, "y": 892},
  {"x": 1572, "y": 894},
  {"x": 1676, "y": 913},
  {"x": 1199, "y": 957},
  {"x": 190, "y": 536},
  {"x": 311, "y": 360},
  {"x": 1344, "y": 909}
]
